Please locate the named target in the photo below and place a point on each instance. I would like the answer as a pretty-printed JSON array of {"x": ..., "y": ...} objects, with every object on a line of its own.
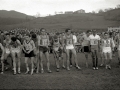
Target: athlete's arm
[
  {"x": 23, "y": 47},
  {"x": 38, "y": 40},
  {"x": 33, "y": 45},
  {"x": 60, "y": 41},
  {"x": 3, "y": 51},
  {"x": 63, "y": 41},
  {"x": 116, "y": 37},
  {"x": 37, "y": 46},
  {"x": 4, "y": 43},
  {"x": 111, "y": 44},
  {"x": 89, "y": 45},
  {"x": 73, "y": 41},
  {"x": 99, "y": 42},
  {"x": 20, "y": 45},
  {"x": 48, "y": 42},
  {"x": 117, "y": 41}
]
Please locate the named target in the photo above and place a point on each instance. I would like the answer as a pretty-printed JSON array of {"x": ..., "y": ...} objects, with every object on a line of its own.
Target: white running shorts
[
  {"x": 69, "y": 47},
  {"x": 107, "y": 50},
  {"x": 15, "y": 50}
]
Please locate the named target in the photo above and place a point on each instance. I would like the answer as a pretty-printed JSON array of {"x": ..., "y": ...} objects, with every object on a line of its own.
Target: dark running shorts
[
  {"x": 31, "y": 54},
  {"x": 86, "y": 49},
  {"x": 43, "y": 49},
  {"x": 0, "y": 52}
]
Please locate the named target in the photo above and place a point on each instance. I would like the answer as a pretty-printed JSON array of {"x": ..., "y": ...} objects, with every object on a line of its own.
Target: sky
[{"x": 45, "y": 7}]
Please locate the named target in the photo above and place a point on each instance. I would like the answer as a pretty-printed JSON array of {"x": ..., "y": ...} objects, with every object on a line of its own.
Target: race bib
[
  {"x": 107, "y": 43},
  {"x": 56, "y": 45},
  {"x": 69, "y": 41},
  {"x": 44, "y": 42},
  {"x": 27, "y": 47},
  {"x": 94, "y": 42}
]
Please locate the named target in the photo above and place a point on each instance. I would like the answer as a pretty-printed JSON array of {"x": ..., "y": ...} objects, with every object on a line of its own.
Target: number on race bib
[
  {"x": 27, "y": 47},
  {"x": 107, "y": 43},
  {"x": 69, "y": 41},
  {"x": 94, "y": 42},
  {"x": 44, "y": 42}
]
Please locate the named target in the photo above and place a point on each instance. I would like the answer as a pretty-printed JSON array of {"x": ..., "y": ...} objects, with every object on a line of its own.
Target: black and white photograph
[{"x": 60, "y": 44}]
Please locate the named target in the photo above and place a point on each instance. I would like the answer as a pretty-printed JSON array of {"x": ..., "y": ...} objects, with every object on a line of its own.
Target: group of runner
[{"x": 35, "y": 44}]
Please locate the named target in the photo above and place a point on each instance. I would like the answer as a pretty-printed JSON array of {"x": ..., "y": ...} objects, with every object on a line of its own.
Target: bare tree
[
  {"x": 108, "y": 9},
  {"x": 118, "y": 6},
  {"x": 55, "y": 12},
  {"x": 93, "y": 12},
  {"x": 37, "y": 15},
  {"x": 100, "y": 11}
]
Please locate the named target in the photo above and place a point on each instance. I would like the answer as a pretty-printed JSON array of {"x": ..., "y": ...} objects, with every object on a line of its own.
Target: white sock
[
  {"x": 28, "y": 69},
  {"x": 18, "y": 69},
  {"x": 14, "y": 69},
  {"x": 32, "y": 70}
]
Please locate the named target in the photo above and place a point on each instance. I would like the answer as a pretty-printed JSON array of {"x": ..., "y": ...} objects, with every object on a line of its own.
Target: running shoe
[
  {"x": 96, "y": 68},
  {"x": 93, "y": 68},
  {"x": 68, "y": 68},
  {"x": 49, "y": 71}
]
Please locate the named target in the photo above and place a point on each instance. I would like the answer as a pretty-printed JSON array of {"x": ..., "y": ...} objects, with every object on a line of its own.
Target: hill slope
[
  {"x": 13, "y": 17},
  {"x": 75, "y": 21},
  {"x": 112, "y": 15},
  {"x": 13, "y": 14}
]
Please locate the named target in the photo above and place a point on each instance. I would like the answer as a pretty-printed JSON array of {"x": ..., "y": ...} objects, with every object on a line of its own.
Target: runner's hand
[
  {"x": 2, "y": 58},
  {"x": 28, "y": 52},
  {"x": 112, "y": 49}
]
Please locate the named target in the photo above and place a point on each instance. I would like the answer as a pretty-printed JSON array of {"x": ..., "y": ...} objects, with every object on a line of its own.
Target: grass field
[{"x": 85, "y": 79}]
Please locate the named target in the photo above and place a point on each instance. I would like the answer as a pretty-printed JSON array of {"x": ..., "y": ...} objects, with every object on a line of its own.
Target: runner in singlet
[
  {"x": 36, "y": 50},
  {"x": 28, "y": 48},
  {"x": 69, "y": 46},
  {"x": 15, "y": 50},
  {"x": 111, "y": 35},
  {"x": 86, "y": 46},
  {"x": 43, "y": 42},
  {"x": 107, "y": 50},
  {"x": 95, "y": 47},
  {"x": 62, "y": 39},
  {"x": 75, "y": 41},
  {"x": 6, "y": 44},
  {"x": 57, "y": 50}
]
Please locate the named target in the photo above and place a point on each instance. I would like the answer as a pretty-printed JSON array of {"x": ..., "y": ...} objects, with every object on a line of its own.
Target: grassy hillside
[
  {"x": 13, "y": 14},
  {"x": 112, "y": 15},
  {"x": 11, "y": 21},
  {"x": 75, "y": 21},
  {"x": 12, "y": 18}
]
